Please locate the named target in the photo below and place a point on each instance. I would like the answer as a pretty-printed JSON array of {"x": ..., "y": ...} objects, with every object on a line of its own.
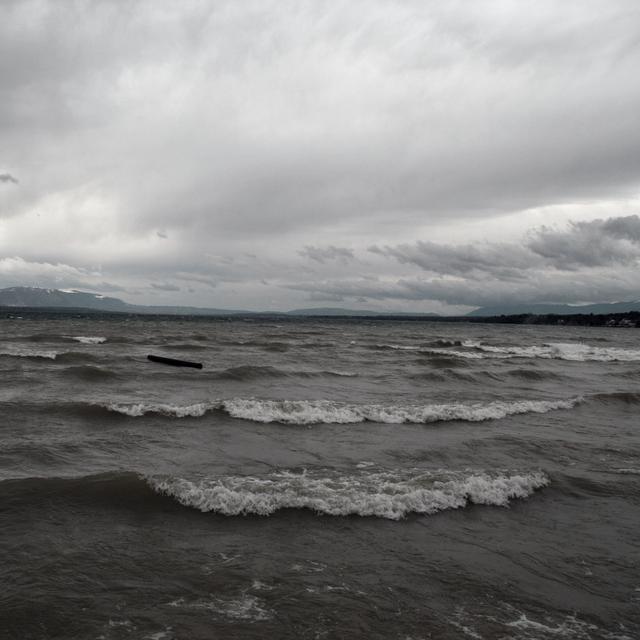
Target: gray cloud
[
  {"x": 196, "y": 278},
  {"x": 165, "y": 286},
  {"x": 322, "y": 254},
  {"x": 321, "y": 296},
  {"x": 606, "y": 286},
  {"x": 500, "y": 259},
  {"x": 589, "y": 244},
  {"x": 7, "y": 177},
  {"x": 586, "y": 262},
  {"x": 614, "y": 241}
]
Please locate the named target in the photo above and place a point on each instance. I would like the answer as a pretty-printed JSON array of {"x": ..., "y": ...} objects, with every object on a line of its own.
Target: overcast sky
[{"x": 398, "y": 155}]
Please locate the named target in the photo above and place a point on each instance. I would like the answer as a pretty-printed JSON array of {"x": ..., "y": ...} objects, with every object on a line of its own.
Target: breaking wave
[
  {"x": 454, "y": 353},
  {"x": 571, "y": 351},
  {"x": 137, "y": 409},
  {"x": 89, "y": 339},
  {"x": 305, "y": 412},
  {"x": 383, "y": 494},
  {"x": 396, "y": 347},
  {"x": 28, "y": 353},
  {"x": 579, "y": 352},
  {"x": 47, "y": 354}
]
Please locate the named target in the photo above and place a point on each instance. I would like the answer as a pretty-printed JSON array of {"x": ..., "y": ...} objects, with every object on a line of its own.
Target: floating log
[{"x": 174, "y": 363}]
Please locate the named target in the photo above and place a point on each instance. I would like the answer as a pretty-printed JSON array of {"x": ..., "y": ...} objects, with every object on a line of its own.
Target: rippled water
[{"x": 318, "y": 479}]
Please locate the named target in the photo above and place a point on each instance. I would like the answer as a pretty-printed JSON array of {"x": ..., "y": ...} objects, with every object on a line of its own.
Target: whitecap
[
  {"x": 383, "y": 494},
  {"x": 307, "y": 412},
  {"x": 138, "y": 409},
  {"x": 89, "y": 339},
  {"x": 469, "y": 355},
  {"x": 18, "y": 352},
  {"x": 303, "y": 412},
  {"x": 571, "y": 351}
]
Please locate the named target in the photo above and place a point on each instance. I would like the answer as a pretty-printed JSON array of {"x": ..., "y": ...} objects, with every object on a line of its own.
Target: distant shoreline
[{"x": 628, "y": 319}]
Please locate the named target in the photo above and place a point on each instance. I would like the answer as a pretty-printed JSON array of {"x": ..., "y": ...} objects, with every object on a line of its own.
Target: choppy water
[{"x": 318, "y": 479}]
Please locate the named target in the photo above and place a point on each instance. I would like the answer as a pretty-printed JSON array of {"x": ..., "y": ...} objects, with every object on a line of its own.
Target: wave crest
[
  {"x": 572, "y": 351},
  {"x": 137, "y": 409},
  {"x": 306, "y": 412},
  {"x": 386, "y": 494},
  {"x": 323, "y": 411},
  {"x": 89, "y": 339},
  {"x": 29, "y": 353}
]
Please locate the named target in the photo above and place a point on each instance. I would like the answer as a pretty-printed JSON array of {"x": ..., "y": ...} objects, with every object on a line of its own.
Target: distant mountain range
[
  {"x": 34, "y": 297},
  {"x": 57, "y": 298}
]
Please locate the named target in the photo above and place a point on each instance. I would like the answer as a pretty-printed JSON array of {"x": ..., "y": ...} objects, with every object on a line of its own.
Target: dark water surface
[{"x": 318, "y": 479}]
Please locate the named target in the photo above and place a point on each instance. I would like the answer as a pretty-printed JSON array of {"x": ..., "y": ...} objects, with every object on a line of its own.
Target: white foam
[
  {"x": 305, "y": 412},
  {"x": 89, "y": 339},
  {"x": 247, "y": 608},
  {"x": 383, "y": 494},
  {"x": 469, "y": 355},
  {"x": 18, "y": 352},
  {"x": 572, "y": 351},
  {"x": 571, "y": 627},
  {"x": 138, "y": 409},
  {"x": 324, "y": 411},
  {"x": 466, "y": 630}
]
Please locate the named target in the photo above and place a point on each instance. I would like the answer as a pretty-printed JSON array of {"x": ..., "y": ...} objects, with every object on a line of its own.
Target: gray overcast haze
[{"x": 414, "y": 155}]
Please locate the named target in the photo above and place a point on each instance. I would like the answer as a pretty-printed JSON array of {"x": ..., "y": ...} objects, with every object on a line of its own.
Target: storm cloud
[
  {"x": 589, "y": 244},
  {"x": 590, "y": 261},
  {"x": 266, "y": 147}
]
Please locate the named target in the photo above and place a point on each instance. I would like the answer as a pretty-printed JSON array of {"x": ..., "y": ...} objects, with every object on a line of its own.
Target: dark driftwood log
[{"x": 175, "y": 363}]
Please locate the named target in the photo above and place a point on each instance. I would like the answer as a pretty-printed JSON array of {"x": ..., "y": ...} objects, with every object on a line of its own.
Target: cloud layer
[
  {"x": 249, "y": 154},
  {"x": 583, "y": 262}
]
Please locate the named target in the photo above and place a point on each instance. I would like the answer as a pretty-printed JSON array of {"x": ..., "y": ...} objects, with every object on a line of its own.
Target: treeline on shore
[{"x": 627, "y": 319}]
